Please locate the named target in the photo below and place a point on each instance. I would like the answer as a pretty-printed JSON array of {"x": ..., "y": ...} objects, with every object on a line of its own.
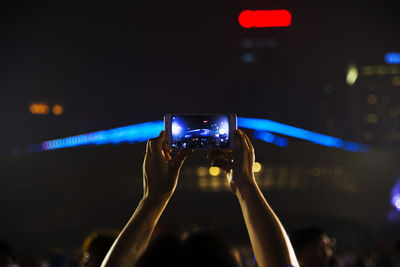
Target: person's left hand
[{"x": 160, "y": 171}]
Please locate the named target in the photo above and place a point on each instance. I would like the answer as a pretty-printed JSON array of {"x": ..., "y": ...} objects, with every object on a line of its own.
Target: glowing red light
[{"x": 265, "y": 18}]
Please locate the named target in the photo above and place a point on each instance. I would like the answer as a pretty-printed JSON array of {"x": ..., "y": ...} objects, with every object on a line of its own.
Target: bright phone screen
[{"x": 200, "y": 131}]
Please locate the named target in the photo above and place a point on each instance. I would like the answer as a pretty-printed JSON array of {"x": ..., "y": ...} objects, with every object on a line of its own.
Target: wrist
[
  {"x": 247, "y": 186},
  {"x": 156, "y": 199}
]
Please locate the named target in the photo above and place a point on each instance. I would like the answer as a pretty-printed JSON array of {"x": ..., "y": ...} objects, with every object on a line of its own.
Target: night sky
[{"x": 117, "y": 63}]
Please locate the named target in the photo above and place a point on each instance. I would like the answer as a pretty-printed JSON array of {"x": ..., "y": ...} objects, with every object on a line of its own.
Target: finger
[
  {"x": 148, "y": 150},
  {"x": 222, "y": 163},
  {"x": 248, "y": 142},
  {"x": 218, "y": 153},
  {"x": 156, "y": 144},
  {"x": 179, "y": 158},
  {"x": 167, "y": 154},
  {"x": 240, "y": 142}
]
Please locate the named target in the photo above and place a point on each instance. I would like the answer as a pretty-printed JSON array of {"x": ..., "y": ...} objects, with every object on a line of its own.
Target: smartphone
[{"x": 200, "y": 131}]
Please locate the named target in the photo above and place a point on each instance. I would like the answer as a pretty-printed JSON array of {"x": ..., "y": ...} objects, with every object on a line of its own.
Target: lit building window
[
  {"x": 201, "y": 171},
  {"x": 394, "y": 112},
  {"x": 395, "y": 135},
  {"x": 394, "y": 69},
  {"x": 368, "y": 135},
  {"x": 368, "y": 70},
  {"x": 396, "y": 80},
  {"x": 372, "y": 99},
  {"x": 371, "y": 117},
  {"x": 382, "y": 70}
]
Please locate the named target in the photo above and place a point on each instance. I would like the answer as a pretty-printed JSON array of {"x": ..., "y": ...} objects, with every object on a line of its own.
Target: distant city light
[
  {"x": 352, "y": 74},
  {"x": 248, "y": 58},
  {"x": 265, "y": 18},
  {"x": 396, "y": 81},
  {"x": 392, "y": 58},
  {"x": 214, "y": 171},
  {"x": 57, "y": 110},
  {"x": 372, "y": 99},
  {"x": 371, "y": 118},
  {"x": 39, "y": 108},
  {"x": 201, "y": 171},
  {"x": 257, "y": 167}
]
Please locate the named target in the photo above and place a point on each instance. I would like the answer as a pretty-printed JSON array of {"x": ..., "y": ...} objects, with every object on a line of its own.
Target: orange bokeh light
[
  {"x": 39, "y": 108},
  {"x": 57, "y": 110}
]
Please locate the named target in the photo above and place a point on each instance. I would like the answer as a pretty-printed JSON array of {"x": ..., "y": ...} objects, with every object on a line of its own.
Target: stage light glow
[
  {"x": 265, "y": 18},
  {"x": 395, "y": 195},
  {"x": 222, "y": 131},
  {"x": 214, "y": 171},
  {"x": 397, "y": 203},
  {"x": 392, "y": 58},
  {"x": 176, "y": 128},
  {"x": 352, "y": 74}
]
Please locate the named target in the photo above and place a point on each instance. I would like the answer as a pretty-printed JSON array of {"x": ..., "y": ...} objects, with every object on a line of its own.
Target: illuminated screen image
[{"x": 200, "y": 132}]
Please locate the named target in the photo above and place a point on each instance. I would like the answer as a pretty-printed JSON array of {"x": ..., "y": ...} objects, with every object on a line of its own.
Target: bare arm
[
  {"x": 160, "y": 175},
  {"x": 268, "y": 238}
]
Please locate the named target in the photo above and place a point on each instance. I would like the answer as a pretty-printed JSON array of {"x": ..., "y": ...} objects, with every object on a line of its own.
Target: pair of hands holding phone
[
  {"x": 161, "y": 171},
  {"x": 270, "y": 243}
]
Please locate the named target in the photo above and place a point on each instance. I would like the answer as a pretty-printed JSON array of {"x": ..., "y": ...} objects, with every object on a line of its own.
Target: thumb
[{"x": 177, "y": 161}]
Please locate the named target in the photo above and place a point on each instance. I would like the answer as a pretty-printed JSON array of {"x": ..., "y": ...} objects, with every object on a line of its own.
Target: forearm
[
  {"x": 268, "y": 238},
  {"x": 135, "y": 236}
]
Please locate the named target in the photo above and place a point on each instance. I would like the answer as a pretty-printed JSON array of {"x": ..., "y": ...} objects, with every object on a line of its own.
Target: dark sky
[{"x": 116, "y": 63}]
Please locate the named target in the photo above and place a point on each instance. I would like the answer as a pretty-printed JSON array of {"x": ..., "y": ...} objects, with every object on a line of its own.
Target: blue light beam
[
  {"x": 271, "y": 138},
  {"x": 392, "y": 58},
  {"x": 144, "y": 131},
  {"x": 130, "y": 134},
  {"x": 280, "y": 128}
]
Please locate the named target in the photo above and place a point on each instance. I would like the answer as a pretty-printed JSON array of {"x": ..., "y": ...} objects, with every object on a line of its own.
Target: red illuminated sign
[{"x": 265, "y": 18}]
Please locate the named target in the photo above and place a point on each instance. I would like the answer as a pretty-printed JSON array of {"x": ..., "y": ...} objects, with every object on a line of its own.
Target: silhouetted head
[
  {"x": 200, "y": 248},
  {"x": 312, "y": 246},
  {"x": 205, "y": 248},
  {"x": 165, "y": 249},
  {"x": 6, "y": 254},
  {"x": 95, "y": 248}
]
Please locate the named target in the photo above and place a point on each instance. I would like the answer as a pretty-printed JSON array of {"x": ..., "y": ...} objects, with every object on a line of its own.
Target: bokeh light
[
  {"x": 214, "y": 171},
  {"x": 57, "y": 110},
  {"x": 39, "y": 108},
  {"x": 257, "y": 167}
]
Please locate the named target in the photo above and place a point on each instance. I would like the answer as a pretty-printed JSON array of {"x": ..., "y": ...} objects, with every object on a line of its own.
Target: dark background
[{"x": 119, "y": 63}]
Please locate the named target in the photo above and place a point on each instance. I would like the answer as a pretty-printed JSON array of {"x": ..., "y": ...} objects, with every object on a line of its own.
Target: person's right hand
[{"x": 237, "y": 163}]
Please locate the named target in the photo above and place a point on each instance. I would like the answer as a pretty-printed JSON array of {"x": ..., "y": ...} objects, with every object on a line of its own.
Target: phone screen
[{"x": 200, "y": 131}]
